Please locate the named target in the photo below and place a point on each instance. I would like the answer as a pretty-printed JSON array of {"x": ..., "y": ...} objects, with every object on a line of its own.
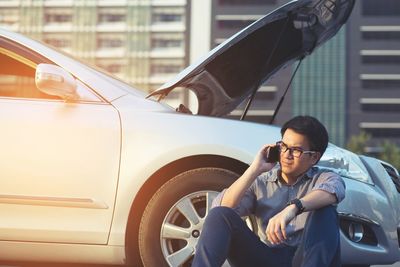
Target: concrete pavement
[{"x": 394, "y": 265}]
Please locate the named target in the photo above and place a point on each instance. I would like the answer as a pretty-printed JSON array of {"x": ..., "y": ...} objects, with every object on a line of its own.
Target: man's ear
[{"x": 316, "y": 156}]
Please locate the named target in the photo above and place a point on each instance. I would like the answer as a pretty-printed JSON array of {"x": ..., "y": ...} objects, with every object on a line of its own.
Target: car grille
[
  {"x": 398, "y": 235},
  {"x": 393, "y": 175}
]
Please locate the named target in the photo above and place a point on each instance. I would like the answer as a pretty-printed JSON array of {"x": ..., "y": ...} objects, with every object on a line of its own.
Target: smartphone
[{"x": 272, "y": 154}]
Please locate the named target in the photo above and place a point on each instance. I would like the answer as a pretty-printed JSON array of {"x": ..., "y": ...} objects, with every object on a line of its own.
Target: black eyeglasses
[{"x": 295, "y": 151}]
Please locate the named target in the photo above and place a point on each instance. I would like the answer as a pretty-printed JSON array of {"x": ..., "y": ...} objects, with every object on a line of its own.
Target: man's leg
[
  {"x": 321, "y": 241},
  {"x": 226, "y": 235}
]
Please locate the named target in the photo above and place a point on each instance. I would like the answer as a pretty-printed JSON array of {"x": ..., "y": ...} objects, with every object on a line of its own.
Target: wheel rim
[{"x": 182, "y": 226}]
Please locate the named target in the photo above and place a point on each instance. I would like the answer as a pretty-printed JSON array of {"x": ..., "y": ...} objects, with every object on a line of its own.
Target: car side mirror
[{"x": 54, "y": 80}]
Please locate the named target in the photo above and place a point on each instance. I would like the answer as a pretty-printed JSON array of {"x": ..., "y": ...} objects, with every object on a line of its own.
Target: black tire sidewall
[{"x": 202, "y": 179}]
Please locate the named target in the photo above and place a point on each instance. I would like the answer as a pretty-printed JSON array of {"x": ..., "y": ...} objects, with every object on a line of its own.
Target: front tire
[{"x": 174, "y": 217}]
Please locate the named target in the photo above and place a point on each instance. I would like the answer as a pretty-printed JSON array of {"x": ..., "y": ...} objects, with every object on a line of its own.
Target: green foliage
[
  {"x": 357, "y": 143},
  {"x": 390, "y": 153}
]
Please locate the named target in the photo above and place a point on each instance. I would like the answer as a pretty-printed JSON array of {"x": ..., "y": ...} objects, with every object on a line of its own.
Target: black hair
[{"x": 310, "y": 127}]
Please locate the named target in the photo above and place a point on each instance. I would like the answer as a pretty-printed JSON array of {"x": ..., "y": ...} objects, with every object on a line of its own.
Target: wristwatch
[{"x": 298, "y": 204}]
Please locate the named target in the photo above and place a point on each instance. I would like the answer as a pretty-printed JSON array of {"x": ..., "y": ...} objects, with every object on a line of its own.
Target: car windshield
[
  {"x": 344, "y": 163},
  {"x": 93, "y": 68},
  {"x": 106, "y": 75},
  {"x": 121, "y": 84}
]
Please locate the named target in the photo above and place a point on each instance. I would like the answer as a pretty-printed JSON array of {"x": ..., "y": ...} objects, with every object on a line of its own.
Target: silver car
[{"x": 92, "y": 171}]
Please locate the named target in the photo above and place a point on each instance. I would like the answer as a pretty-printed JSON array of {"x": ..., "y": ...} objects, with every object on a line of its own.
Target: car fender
[
  {"x": 377, "y": 206},
  {"x": 152, "y": 139}
]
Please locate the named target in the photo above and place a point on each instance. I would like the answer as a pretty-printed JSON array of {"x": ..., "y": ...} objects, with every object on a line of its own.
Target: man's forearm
[
  {"x": 276, "y": 230},
  {"x": 317, "y": 199},
  {"x": 235, "y": 192}
]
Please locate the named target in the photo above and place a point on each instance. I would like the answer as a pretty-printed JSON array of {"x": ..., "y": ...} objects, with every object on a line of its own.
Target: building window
[
  {"x": 110, "y": 18},
  {"x": 378, "y": 84},
  {"x": 379, "y": 81},
  {"x": 162, "y": 43},
  {"x": 113, "y": 68},
  {"x": 381, "y": 35},
  {"x": 266, "y": 92},
  {"x": 110, "y": 66},
  {"x": 167, "y": 41},
  {"x": 58, "y": 42},
  {"x": 168, "y": 15},
  {"x": 384, "y": 132},
  {"x": 165, "y": 69},
  {"x": 58, "y": 16},
  {"x": 380, "y": 106},
  {"x": 9, "y": 17},
  {"x": 381, "y": 59},
  {"x": 111, "y": 15},
  {"x": 380, "y": 8},
  {"x": 166, "y": 66},
  {"x": 109, "y": 42},
  {"x": 233, "y": 24}
]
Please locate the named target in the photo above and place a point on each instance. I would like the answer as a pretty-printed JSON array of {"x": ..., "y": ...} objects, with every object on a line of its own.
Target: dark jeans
[{"x": 226, "y": 236}]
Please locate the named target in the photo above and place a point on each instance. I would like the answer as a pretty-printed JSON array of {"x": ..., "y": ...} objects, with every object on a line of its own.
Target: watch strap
[{"x": 298, "y": 204}]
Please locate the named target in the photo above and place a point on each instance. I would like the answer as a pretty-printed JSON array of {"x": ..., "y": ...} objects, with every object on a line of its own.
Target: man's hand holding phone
[
  {"x": 266, "y": 159},
  {"x": 272, "y": 154}
]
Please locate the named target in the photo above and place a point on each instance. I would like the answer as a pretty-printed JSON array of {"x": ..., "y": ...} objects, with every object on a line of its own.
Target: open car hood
[{"x": 233, "y": 70}]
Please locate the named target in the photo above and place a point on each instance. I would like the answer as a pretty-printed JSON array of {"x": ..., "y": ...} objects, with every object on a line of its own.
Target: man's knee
[
  {"x": 221, "y": 213},
  {"x": 322, "y": 224},
  {"x": 326, "y": 215},
  {"x": 321, "y": 241}
]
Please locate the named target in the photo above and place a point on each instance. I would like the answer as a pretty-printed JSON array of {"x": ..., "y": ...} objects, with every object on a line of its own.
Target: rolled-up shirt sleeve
[
  {"x": 245, "y": 207},
  {"x": 218, "y": 199},
  {"x": 332, "y": 183}
]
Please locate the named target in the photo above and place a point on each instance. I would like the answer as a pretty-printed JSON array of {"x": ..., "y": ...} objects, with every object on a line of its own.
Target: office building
[
  {"x": 373, "y": 64},
  {"x": 143, "y": 42}
]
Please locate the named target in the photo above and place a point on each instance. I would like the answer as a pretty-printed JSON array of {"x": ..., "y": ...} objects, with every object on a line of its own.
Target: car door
[{"x": 59, "y": 160}]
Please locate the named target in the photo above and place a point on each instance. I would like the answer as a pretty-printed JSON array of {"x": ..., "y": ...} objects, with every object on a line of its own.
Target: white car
[{"x": 92, "y": 171}]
